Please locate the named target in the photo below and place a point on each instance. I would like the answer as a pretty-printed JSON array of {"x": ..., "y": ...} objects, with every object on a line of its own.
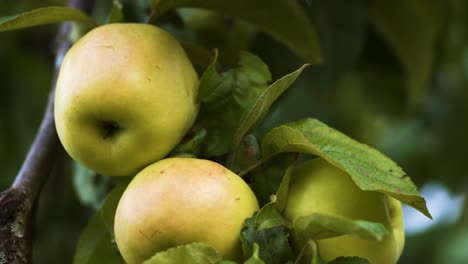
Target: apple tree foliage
[{"x": 276, "y": 78}]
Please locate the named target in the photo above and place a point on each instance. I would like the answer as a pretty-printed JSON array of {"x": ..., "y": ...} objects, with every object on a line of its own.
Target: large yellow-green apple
[
  {"x": 126, "y": 95},
  {"x": 319, "y": 187},
  {"x": 177, "y": 201}
]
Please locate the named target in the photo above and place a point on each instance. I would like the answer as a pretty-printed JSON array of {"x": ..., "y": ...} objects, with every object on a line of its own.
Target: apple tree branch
[{"x": 17, "y": 202}]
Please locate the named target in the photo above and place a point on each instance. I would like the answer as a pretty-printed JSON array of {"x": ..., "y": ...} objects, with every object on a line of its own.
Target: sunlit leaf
[{"x": 369, "y": 169}]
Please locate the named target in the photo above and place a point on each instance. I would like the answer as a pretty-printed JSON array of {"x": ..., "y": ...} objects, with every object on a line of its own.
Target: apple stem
[
  {"x": 251, "y": 167},
  {"x": 18, "y": 202}
]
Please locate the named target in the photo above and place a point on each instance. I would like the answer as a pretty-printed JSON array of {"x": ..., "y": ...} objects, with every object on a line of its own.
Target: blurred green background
[{"x": 394, "y": 76}]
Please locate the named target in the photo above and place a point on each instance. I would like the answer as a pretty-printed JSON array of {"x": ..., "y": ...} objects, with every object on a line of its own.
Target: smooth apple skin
[
  {"x": 178, "y": 201},
  {"x": 126, "y": 94},
  {"x": 319, "y": 187}
]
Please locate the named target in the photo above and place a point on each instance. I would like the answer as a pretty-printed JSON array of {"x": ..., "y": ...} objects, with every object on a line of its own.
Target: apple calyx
[{"x": 109, "y": 129}]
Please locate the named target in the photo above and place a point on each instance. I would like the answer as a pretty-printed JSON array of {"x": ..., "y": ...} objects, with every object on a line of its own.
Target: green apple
[
  {"x": 126, "y": 95},
  {"x": 177, "y": 201},
  {"x": 319, "y": 187}
]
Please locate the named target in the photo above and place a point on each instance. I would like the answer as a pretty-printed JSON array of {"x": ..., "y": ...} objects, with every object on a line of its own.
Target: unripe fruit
[
  {"x": 319, "y": 187},
  {"x": 126, "y": 95},
  {"x": 178, "y": 201}
]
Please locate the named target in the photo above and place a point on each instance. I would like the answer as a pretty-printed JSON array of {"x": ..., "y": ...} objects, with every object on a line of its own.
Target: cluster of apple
[{"x": 126, "y": 95}]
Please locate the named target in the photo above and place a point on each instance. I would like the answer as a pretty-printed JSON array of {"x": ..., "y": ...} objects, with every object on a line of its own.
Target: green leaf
[
  {"x": 263, "y": 103},
  {"x": 349, "y": 260},
  {"x": 42, "y": 16},
  {"x": 320, "y": 226},
  {"x": 269, "y": 216},
  {"x": 369, "y": 169},
  {"x": 246, "y": 155},
  {"x": 342, "y": 27},
  {"x": 199, "y": 55},
  {"x": 155, "y": 4},
  {"x": 116, "y": 13},
  {"x": 95, "y": 245},
  {"x": 283, "y": 19},
  {"x": 309, "y": 254},
  {"x": 283, "y": 190},
  {"x": 192, "y": 145},
  {"x": 225, "y": 99},
  {"x": 312, "y": 248},
  {"x": 210, "y": 82},
  {"x": 90, "y": 187},
  {"x": 255, "y": 259},
  {"x": 273, "y": 242},
  {"x": 195, "y": 253},
  {"x": 266, "y": 178},
  {"x": 109, "y": 206},
  {"x": 412, "y": 29},
  {"x": 211, "y": 32}
]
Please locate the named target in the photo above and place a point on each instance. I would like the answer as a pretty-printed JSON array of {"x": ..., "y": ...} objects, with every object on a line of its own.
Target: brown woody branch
[{"x": 17, "y": 202}]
